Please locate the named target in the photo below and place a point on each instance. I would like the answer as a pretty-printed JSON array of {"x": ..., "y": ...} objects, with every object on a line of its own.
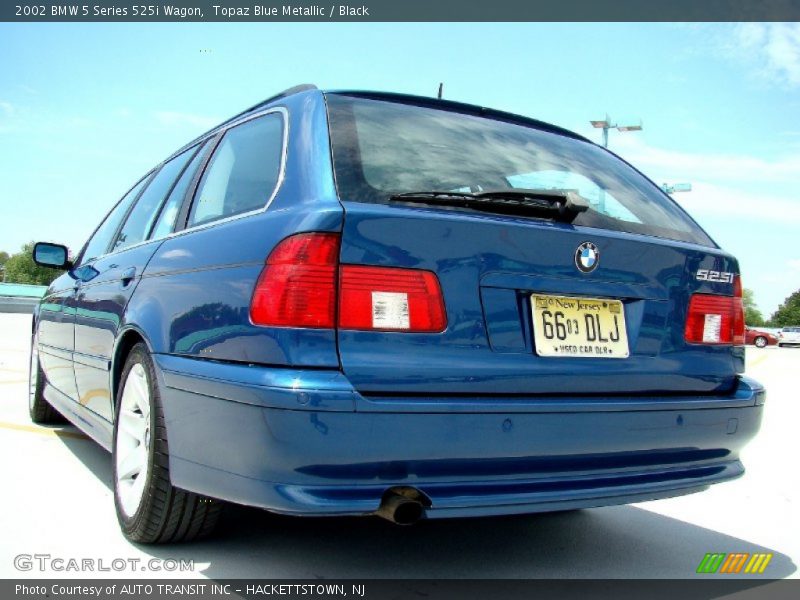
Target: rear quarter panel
[{"x": 194, "y": 296}]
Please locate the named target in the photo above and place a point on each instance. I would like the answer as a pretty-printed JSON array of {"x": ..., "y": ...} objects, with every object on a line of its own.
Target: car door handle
[{"x": 128, "y": 276}]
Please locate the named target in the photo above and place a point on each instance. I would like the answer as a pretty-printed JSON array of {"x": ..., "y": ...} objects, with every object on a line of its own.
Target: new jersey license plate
[{"x": 573, "y": 327}]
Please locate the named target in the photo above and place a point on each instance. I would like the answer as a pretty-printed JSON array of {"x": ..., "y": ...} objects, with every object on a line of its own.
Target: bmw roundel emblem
[{"x": 587, "y": 256}]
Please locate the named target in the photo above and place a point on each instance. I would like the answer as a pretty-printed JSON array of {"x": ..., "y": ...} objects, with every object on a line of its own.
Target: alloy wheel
[{"x": 133, "y": 440}]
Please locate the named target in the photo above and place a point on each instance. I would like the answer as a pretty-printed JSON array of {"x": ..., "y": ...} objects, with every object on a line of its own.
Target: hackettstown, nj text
[{"x": 188, "y": 589}]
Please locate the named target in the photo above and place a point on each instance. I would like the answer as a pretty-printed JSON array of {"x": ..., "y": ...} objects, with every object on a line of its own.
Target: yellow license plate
[{"x": 579, "y": 327}]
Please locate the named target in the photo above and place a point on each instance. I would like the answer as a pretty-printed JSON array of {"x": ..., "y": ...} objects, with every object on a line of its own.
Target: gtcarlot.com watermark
[{"x": 44, "y": 563}]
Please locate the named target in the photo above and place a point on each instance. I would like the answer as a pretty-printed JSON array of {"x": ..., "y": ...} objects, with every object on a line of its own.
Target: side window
[
  {"x": 169, "y": 212},
  {"x": 242, "y": 173},
  {"x": 141, "y": 218},
  {"x": 100, "y": 240}
]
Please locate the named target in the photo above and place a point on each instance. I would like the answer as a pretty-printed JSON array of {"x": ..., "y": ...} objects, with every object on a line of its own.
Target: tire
[
  {"x": 760, "y": 342},
  {"x": 150, "y": 510},
  {"x": 40, "y": 410}
]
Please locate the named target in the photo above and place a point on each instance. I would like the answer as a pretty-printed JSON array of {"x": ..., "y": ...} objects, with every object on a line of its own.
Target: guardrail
[{"x": 20, "y": 297}]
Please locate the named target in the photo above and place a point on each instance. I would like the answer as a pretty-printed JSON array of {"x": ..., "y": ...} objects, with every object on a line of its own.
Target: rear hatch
[{"x": 538, "y": 299}]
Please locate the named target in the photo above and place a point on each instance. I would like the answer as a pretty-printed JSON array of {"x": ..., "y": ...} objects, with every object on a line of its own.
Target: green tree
[
  {"x": 752, "y": 316},
  {"x": 788, "y": 313},
  {"x": 3, "y": 259},
  {"x": 20, "y": 268}
]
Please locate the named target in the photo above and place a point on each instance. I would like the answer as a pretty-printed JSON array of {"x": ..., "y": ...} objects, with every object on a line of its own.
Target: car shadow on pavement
[{"x": 612, "y": 542}]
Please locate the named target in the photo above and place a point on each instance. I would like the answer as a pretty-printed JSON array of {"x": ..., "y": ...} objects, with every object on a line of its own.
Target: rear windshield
[{"x": 382, "y": 148}]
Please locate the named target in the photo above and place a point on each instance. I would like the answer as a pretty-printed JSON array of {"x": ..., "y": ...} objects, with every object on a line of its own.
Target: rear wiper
[{"x": 563, "y": 205}]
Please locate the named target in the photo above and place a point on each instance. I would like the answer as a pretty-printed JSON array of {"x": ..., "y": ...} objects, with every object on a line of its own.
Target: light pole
[
  {"x": 606, "y": 124},
  {"x": 676, "y": 187}
]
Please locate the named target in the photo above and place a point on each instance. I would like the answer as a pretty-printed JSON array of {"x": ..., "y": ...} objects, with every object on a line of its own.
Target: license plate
[{"x": 573, "y": 327}]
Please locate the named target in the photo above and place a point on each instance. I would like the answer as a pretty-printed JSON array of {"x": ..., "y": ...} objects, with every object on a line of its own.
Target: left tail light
[
  {"x": 303, "y": 285},
  {"x": 390, "y": 299},
  {"x": 297, "y": 287}
]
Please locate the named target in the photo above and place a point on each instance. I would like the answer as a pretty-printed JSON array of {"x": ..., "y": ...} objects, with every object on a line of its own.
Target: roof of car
[
  {"x": 424, "y": 101},
  {"x": 460, "y": 107},
  {"x": 440, "y": 103}
]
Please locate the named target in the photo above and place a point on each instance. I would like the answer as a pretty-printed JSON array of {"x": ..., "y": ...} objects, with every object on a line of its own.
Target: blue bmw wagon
[{"x": 356, "y": 303}]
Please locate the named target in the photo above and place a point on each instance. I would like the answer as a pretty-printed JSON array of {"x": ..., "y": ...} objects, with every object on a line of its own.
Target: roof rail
[{"x": 303, "y": 87}]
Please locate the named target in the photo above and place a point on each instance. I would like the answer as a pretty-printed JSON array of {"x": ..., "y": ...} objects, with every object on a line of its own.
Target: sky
[{"x": 86, "y": 109}]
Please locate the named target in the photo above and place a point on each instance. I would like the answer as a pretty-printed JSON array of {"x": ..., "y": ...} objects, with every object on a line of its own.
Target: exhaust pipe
[{"x": 403, "y": 506}]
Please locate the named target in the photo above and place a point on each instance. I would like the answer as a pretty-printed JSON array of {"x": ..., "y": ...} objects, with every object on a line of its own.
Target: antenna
[{"x": 441, "y": 88}]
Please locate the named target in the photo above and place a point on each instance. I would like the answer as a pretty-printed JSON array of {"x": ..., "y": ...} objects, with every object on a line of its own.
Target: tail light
[
  {"x": 387, "y": 298},
  {"x": 298, "y": 288},
  {"x": 738, "y": 312},
  {"x": 716, "y": 319}
]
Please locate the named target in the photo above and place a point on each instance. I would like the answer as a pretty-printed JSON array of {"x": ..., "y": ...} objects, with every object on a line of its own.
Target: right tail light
[{"x": 714, "y": 319}]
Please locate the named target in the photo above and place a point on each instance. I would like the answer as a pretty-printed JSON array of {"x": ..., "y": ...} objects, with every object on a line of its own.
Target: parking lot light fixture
[{"x": 606, "y": 124}]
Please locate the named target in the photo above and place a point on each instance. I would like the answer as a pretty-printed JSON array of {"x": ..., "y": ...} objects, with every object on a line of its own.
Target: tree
[
  {"x": 752, "y": 316},
  {"x": 788, "y": 313},
  {"x": 3, "y": 259},
  {"x": 20, "y": 268}
]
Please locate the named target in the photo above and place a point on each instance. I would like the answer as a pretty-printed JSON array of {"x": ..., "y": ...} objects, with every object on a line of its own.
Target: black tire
[
  {"x": 760, "y": 342},
  {"x": 165, "y": 514},
  {"x": 40, "y": 410}
]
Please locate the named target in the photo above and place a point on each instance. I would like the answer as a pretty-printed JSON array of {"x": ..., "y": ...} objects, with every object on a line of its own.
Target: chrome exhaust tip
[{"x": 403, "y": 506}]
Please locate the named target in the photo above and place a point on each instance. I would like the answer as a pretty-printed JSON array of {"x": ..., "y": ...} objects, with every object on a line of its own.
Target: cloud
[
  {"x": 9, "y": 117},
  {"x": 708, "y": 201},
  {"x": 772, "y": 49},
  {"x": 27, "y": 89},
  {"x": 741, "y": 168},
  {"x": 725, "y": 187},
  {"x": 181, "y": 119}
]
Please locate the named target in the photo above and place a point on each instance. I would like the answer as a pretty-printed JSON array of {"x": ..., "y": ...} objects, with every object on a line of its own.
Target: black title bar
[{"x": 401, "y": 10}]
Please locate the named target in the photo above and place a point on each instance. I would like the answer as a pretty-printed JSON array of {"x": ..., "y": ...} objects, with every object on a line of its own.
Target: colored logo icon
[{"x": 733, "y": 563}]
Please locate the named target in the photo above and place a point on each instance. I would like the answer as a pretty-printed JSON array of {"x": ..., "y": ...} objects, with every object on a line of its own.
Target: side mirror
[{"x": 54, "y": 256}]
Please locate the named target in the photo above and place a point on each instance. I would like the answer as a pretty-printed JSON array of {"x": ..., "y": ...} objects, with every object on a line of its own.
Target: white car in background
[{"x": 789, "y": 336}]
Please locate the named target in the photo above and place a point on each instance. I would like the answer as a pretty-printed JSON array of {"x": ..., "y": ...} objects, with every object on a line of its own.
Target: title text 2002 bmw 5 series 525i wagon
[{"x": 353, "y": 303}]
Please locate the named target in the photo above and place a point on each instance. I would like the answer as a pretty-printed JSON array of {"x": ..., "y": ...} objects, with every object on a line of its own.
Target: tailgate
[{"x": 489, "y": 268}]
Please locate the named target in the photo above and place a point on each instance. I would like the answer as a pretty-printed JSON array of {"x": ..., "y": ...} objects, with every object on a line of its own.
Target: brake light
[
  {"x": 391, "y": 299},
  {"x": 297, "y": 287},
  {"x": 716, "y": 319},
  {"x": 738, "y": 312}
]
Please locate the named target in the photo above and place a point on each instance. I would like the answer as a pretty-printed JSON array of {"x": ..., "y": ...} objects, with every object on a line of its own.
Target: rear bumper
[{"x": 304, "y": 442}]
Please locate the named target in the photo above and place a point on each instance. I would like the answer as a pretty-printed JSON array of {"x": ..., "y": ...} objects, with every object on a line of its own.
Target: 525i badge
[{"x": 720, "y": 276}]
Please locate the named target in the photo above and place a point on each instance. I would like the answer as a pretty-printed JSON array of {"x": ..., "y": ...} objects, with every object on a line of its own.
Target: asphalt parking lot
[{"x": 57, "y": 501}]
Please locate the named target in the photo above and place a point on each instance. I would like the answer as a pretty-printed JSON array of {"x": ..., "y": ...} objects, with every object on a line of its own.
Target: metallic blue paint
[
  {"x": 301, "y": 449},
  {"x": 309, "y": 421},
  {"x": 488, "y": 266}
]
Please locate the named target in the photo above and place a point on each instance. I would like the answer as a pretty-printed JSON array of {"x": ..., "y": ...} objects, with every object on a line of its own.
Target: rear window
[{"x": 382, "y": 148}]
